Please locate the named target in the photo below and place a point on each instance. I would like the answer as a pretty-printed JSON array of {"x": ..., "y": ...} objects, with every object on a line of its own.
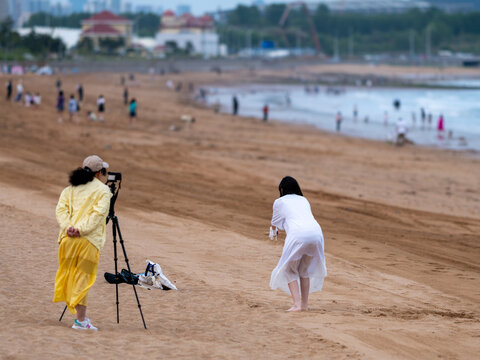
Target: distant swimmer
[
  {"x": 440, "y": 126},
  {"x": 303, "y": 258},
  {"x": 423, "y": 116},
  {"x": 338, "y": 120},
  {"x": 355, "y": 113},
  {"x": 265, "y": 113},
  {"x": 396, "y": 104},
  {"x": 288, "y": 101},
  {"x": 429, "y": 120}
]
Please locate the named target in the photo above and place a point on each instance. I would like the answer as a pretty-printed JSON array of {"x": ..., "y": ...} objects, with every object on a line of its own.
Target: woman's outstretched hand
[{"x": 72, "y": 232}]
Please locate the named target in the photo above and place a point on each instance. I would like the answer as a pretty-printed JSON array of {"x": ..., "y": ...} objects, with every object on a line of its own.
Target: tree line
[
  {"x": 12, "y": 45},
  {"x": 359, "y": 33},
  {"x": 144, "y": 24}
]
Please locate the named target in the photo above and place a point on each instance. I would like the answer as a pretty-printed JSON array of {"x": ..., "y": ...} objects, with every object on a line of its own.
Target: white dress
[{"x": 304, "y": 241}]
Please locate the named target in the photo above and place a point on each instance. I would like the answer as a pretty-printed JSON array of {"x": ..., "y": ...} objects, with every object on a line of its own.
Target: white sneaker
[{"x": 83, "y": 325}]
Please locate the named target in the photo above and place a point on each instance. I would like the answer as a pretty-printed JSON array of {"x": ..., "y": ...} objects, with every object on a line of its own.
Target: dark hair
[
  {"x": 289, "y": 185},
  {"x": 83, "y": 176}
]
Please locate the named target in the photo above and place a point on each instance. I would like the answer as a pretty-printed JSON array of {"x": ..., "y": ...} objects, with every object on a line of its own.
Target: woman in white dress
[{"x": 303, "y": 258}]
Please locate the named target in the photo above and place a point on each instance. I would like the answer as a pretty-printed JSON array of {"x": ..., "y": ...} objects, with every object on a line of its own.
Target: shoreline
[{"x": 252, "y": 89}]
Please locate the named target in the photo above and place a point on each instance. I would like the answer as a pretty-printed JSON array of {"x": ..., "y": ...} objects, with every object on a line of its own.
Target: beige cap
[{"x": 95, "y": 163}]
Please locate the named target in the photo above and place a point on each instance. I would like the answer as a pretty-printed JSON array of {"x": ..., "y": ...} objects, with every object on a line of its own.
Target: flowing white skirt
[{"x": 303, "y": 256}]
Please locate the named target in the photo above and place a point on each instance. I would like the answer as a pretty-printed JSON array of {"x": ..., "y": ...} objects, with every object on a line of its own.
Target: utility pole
[
  {"x": 412, "y": 43},
  {"x": 336, "y": 54},
  {"x": 428, "y": 42},
  {"x": 350, "y": 44}
]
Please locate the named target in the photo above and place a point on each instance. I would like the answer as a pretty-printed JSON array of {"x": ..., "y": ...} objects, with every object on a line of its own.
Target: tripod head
[{"x": 114, "y": 182}]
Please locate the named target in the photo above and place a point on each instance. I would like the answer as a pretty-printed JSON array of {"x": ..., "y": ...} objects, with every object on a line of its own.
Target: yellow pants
[{"x": 77, "y": 271}]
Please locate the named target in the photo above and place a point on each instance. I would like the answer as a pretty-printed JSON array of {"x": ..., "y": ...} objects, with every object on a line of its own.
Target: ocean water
[{"x": 376, "y": 114}]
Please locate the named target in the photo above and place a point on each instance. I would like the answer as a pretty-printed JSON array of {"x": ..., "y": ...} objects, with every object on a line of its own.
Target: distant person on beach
[
  {"x": 265, "y": 113},
  {"x": 414, "y": 118},
  {"x": 91, "y": 116},
  {"x": 60, "y": 105},
  {"x": 81, "y": 214},
  {"x": 401, "y": 129},
  {"x": 288, "y": 100},
  {"x": 19, "y": 95},
  {"x": 28, "y": 99},
  {"x": 396, "y": 104},
  {"x": 72, "y": 107},
  {"x": 80, "y": 92},
  {"x": 355, "y": 113},
  {"x": 37, "y": 100},
  {"x": 58, "y": 84},
  {"x": 133, "y": 111},
  {"x": 303, "y": 258},
  {"x": 234, "y": 105},
  {"x": 429, "y": 120},
  {"x": 101, "y": 107},
  {"x": 9, "y": 88},
  {"x": 338, "y": 120},
  {"x": 423, "y": 116},
  {"x": 440, "y": 124},
  {"x": 125, "y": 96}
]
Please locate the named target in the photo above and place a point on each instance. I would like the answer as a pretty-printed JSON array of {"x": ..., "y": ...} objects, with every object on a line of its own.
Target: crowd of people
[{"x": 72, "y": 105}]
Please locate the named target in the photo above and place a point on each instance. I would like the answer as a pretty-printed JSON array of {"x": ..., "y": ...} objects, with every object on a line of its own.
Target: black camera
[{"x": 114, "y": 176}]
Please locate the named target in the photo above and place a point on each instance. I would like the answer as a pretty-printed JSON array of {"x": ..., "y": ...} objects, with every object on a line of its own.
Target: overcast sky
[{"x": 200, "y": 6}]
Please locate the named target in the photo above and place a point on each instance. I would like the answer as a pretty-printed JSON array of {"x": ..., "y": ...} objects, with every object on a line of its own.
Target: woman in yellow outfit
[{"x": 81, "y": 213}]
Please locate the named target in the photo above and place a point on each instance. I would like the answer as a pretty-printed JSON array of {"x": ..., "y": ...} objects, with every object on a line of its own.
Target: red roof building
[{"x": 107, "y": 25}]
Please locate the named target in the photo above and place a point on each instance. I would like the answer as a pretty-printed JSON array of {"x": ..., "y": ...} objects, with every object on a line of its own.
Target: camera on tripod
[{"x": 114, "y": 176}]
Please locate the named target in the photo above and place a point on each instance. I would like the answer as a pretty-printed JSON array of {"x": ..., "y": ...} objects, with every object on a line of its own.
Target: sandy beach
[{"x": 401, "y": 232}]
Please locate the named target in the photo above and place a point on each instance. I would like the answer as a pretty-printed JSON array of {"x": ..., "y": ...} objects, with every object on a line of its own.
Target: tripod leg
[
  {"x": 115, "y": 259},
  {"x": 116, "y": 224},
  {"x": 61, "y": 317}
]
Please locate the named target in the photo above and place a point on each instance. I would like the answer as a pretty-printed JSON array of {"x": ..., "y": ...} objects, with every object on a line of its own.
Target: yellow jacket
[{"x": 85, "y": 207}]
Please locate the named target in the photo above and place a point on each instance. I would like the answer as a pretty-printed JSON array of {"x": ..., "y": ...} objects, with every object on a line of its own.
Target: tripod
[{"x": 115, "y": 230}]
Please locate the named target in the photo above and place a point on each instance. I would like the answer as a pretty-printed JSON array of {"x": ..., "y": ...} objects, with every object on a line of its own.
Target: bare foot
[{"x": 295, "y": 308}]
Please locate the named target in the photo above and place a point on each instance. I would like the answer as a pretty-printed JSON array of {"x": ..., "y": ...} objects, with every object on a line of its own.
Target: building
[
  {"x": 77, "y": 5},
  {"x": 35, "y": 6},
  {"x": 196, "y": 34},
  {"x": 116, "y": 6},
  {"x": 127, "y": 7},
  {"x": 4, "y": 9},
  {"x": 144, "y": 9},
  {"x": 95, "y": 6},
  {"x": 106, "y": 25}
]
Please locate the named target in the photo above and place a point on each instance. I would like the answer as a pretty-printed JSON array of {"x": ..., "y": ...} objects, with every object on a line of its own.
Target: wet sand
[{"x": 401, "y": 231}]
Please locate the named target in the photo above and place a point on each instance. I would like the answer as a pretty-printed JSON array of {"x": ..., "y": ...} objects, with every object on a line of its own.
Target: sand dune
[{"x": 401, "y": 232}]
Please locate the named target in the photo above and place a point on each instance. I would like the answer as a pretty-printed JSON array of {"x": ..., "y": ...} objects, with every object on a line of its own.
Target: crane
[{"x": 313, "y": 31}]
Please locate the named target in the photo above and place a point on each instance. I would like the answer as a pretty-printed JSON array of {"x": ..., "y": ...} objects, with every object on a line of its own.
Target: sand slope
[{"x": 401, "y": 229}]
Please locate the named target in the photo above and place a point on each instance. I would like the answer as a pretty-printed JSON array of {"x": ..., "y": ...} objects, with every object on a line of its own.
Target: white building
[{"x": 189, "y": 32}]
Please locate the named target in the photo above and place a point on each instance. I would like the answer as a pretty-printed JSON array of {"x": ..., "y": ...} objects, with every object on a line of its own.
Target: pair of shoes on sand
[{"x": 83, "y": 325}]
